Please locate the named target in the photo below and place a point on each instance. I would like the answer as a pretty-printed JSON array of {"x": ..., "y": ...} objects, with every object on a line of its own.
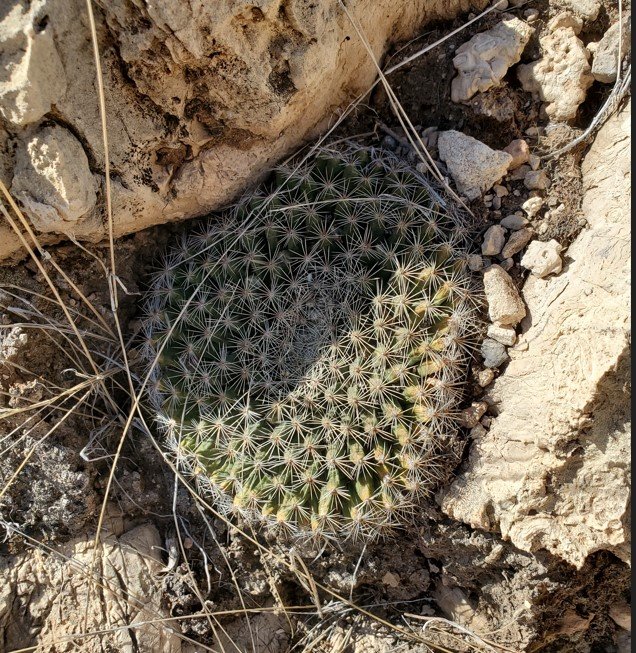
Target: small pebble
[
  {"x": 488, "y": 198},
  {"x": 533, "y": 132},
  {"x": 531, "y": 15},
  {"x": 534, "y": 161},
  {"x": 486, "y": 421},
  {"x": 542, "y": 228},
  {"x": 500, "y": 191},
  {"x": 536, "y": 180},
  {"x": 507, "y": 264},
  {"x": 543, "y": 259},
  {"x": 469, "y": 417},
  {"x": 532, "y": 206},
  {"x": 496, "y": 203},
  {"x": 514, "y": 222},
  {"x": 493, "y": 353},
  {"x": 517, "y": 241},
  {"x": 505, "y": 335},
  {"x": 519, "y": 151},
  {"x": 475, "y": 263},
  {"x": 494, "y": 240},
  {"x": 485, "y": 377}
]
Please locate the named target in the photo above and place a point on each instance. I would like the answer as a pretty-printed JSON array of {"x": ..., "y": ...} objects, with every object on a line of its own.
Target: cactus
[{"x": 312, "y": 343}]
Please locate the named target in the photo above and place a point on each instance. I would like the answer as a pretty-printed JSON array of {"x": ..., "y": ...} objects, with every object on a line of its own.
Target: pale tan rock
[
  {"x": 536, "y": 180},
  {"x": 505, "y": 335},
  {"x": 201, "y": 99},
  {"x": 566, "y": 19},
  {"x": 519, "y": 151},
  {"x": 45, "y": 594},
  {"x": 605, "y": 62},
  {"x": 32, "y": 77},
  {"x": 585, "y": 9},
  {"x": 483, "y": 61},
  {"x": 473, "y": 165},
  {"x": 53, "y": 181},
  {"x": 553, "y": 471},
  {"x": 543, "y": 258},
  {"x": 561, "y": 77},
  {"x": 505, "y": 307}
]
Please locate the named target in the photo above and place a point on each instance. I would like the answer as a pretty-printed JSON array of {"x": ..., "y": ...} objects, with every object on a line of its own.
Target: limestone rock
[
  {"x": 202, "y": 100},
  {"x": 32, "y": 77},
  {"x": 561, "y": 77},
  {"x": 519, "y": 151},
  {"x": 543, "y": 259},
  {"x": 43, "y": 596},
  {"x": 483, "y": 61},
  {"x": 505, "y": 306},
  {"x": 605, "y": 62},
  {"x": 585, "y": 9},
  {"x": 474, "y": 166},
  {"x": 553, "y": 471},
  {"x": 505, "y": 335},
  {"x": 53, "y": 180}
]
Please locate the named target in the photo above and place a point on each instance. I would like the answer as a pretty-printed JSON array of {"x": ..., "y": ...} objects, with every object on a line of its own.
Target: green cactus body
[{"x": 311, "y": 345}]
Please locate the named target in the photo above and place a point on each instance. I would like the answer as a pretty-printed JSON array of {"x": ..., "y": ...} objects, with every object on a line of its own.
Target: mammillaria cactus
[{"x": 311, "y": 345}]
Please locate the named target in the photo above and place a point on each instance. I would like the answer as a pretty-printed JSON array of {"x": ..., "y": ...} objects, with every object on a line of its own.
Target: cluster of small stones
[{"x": 312, "y": 346}]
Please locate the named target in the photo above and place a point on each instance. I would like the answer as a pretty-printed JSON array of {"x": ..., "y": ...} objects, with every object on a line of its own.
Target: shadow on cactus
[{"x": 311, "y": 346}]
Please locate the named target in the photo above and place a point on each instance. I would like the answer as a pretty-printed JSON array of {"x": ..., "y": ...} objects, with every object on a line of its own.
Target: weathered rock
[
  {"x": 505, "y": 335},
  {"x": 561, "y": 77},
  {"x": 605, "y": 62},
  {"x": 469, "y": 417},
  {"x": 517, "y": 241},
  {"x": 566, "y": 19},
  {"x": 494, "y": 240},
  {"x": 54, "y": 183},
  {"x": 44, "y": 597},
  {"x": 505, "y": 307},
  {"x": 201, "y": 99},
  {"x": 519, "y": 151},
  {"x": 536, "y": 180},
  {"x": 585, "y": 9},
  {"x": 514, "y": 222},
  {"x": 493, "y": 353},
  {"x": 32, "y": 77},
  {"x": 553, "y": 471},
  {"x": 532, "y": 206},
  {"x": 543, "y": 259},
  {"x": 485, "y": 377},
  {"x": 483, "y": 61},
  {"x": 474, "y": 166}
]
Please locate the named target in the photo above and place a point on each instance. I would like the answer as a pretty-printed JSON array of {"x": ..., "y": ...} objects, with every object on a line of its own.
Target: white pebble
[
  {"x": 543, "y": 259},
  {"x": 505, "y": 335}
]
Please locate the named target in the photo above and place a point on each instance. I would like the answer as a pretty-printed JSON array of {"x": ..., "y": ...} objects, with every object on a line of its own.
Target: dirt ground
[{"x": 526, "y": 602}]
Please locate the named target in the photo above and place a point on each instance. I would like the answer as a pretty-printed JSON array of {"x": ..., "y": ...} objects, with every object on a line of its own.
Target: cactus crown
[{"x": 312, "y": 344}]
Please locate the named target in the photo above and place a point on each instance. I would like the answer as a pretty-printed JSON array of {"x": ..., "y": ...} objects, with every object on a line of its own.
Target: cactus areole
[{"x": 308, "y": 347}]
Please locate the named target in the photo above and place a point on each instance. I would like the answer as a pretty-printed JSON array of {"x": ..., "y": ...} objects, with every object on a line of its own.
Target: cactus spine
[{"x": 312, "y": 344}]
